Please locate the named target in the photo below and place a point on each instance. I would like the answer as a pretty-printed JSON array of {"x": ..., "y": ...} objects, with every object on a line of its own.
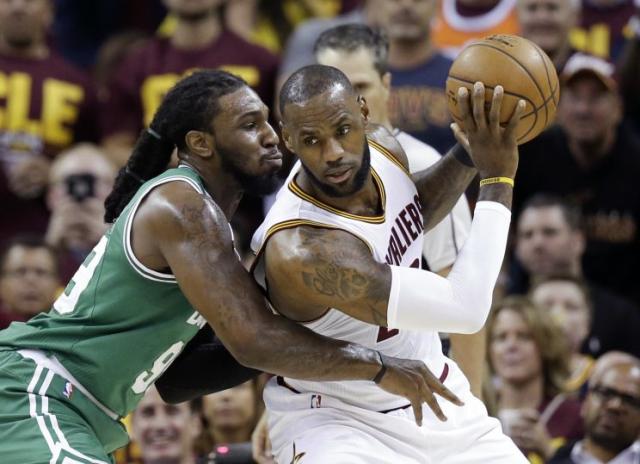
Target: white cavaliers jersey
[{"x": 395, "y": 237}]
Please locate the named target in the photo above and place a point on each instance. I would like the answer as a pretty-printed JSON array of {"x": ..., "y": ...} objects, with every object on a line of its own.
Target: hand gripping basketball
[
  {"x": 413, "y": 380},
  {"x": 492, "y": 147}
]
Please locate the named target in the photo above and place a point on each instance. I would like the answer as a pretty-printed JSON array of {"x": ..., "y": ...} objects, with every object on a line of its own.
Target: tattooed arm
[{"x": 311, "y": 269}]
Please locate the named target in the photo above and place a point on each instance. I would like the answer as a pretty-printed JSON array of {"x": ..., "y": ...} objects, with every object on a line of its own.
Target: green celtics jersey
[{"x": 118, "y": 325}]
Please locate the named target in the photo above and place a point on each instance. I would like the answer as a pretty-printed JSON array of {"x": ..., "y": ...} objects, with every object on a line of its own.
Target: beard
[
  {"x": 358, "y": 180},
  {"x": 614, "y": 443},
  {"x": 256, "y": 185}
]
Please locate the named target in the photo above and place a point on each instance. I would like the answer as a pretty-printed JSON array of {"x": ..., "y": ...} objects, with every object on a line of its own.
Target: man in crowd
[
  {"x": 166, "y": 433},
  {"x": 550, "y": 242},
  {"x": 29, "y": 279},
  {"x": 590, "y": 160},
  {"x": 611, "y": 414},
  {"x": 548, "y": 24},
  {"x": 80, "y": 180},
  {"x": 418, "y": 104}
]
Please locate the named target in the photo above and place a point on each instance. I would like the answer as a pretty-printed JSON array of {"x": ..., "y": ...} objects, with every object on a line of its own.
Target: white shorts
[{"x": 305, "y": 429}]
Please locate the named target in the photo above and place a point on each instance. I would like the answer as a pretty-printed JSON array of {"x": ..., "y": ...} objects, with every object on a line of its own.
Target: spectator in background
[
  {"x": 298, "y": 51},
  {"x": 603, "y": 27},
  {"x": 269, "y": 24},
  {"x": 46, "y": 105},
  {"x": 81, "y": 179},
  {"x": 166, "y": 433},
  {"x": 80, "y": 28},
  {"x": 199, "y": 40},
  {"x": 548, "y": 24},
  {"x": 418, "y": 103},
  {"x": 530, "y": 361},
  {"x": 550, "y": 242},
  {"x": 231, "y": 415},
  {"x": 591, "y": 159},
  {"x": 566, "y": 299},
  {"x": 611, "y": 414},
  {"x": 462, "y": 21},
  {"x": 29, "y": 280},
  {"x": 361, "y": 53}
]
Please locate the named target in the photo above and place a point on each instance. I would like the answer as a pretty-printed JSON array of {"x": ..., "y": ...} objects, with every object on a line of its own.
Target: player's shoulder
[
  {"x": 300, "y": 246},
  {"x": 384, "y": 141},
  {"x": 173, "y": 208}
]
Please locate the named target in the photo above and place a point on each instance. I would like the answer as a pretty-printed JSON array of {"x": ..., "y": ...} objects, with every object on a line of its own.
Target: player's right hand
[
  {"x": 413, "y": 380},
  {"x": 492, "y": 146}
]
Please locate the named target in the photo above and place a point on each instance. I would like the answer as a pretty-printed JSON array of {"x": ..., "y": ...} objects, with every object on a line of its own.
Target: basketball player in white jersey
[
  {"x": 339, "y": 252},
  {"x": 361, "y": 53}
]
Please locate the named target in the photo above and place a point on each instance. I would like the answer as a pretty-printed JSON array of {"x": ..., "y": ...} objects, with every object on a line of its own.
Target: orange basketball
[{"x": 521, "y": 68}]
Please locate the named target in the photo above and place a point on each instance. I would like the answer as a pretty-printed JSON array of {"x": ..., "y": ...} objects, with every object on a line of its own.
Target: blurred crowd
[{"x": 79, "y": 80}]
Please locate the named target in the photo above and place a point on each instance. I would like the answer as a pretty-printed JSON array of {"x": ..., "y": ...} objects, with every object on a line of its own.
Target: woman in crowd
[{"x": 529, "y": 361}]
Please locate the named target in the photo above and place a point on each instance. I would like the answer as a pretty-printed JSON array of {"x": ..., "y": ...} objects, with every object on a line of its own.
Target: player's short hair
[
  {"x": 570, "y": 213},
  {"x": 351, "y": 37},
  {"x": 310, "y": 81}
]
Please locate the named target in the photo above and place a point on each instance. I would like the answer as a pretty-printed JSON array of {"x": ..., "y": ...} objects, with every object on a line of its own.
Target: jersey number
[
  {"x": 385, "y": 333},
  {"x": 146, "y": 378},
  {"x": 66, "y": 302}
]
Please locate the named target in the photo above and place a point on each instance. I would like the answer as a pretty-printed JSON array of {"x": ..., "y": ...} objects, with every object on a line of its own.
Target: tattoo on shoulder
[{"x": 331, "y": 274}]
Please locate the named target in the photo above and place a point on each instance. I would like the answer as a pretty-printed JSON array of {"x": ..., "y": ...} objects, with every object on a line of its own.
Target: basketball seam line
[{"x": 514, "y": 59}]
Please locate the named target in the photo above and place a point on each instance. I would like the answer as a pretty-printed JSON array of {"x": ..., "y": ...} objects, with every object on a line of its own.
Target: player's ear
[
  {"x": 200, "y": 143},
  {"x": 286, "y": 137},
  {"x": 364, "y": 109}
]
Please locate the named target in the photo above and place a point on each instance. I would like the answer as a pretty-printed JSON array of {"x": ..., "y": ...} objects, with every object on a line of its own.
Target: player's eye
[
  {"x": 310, "y": 141},
  {"x": 250, "y": 125},
  {"x": 344, "y": 130}
]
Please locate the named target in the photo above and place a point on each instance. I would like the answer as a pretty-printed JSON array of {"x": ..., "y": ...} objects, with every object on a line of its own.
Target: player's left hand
[{"x": 529, "y": 433}]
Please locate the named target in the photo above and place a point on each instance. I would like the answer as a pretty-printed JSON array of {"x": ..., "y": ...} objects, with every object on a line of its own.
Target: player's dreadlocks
[{"x": 190, "y": 105}]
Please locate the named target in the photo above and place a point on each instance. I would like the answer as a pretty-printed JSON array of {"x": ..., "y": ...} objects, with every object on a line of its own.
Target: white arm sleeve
[{"x": 459, "y": 303}]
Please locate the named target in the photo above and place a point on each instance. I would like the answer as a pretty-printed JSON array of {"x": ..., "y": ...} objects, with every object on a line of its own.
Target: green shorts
[{"x": 43, "y": 419}]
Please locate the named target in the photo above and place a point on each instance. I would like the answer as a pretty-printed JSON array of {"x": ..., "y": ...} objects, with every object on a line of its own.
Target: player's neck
[
  {"x": 221, "y": 185},
  {"x": 404, "y": 54},
  {"x": 191, "y": 35},
  {"x": 364, "y": 202},
  {"x": 36, "y": 50},
  {"x": 529, "y": 394}
]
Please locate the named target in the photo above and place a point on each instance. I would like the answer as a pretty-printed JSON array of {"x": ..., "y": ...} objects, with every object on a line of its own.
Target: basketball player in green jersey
[{"x": 164, "y": 269}]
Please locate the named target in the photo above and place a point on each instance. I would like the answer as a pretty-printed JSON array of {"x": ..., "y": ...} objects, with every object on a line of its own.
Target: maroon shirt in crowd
[
  {"x": 149, "y": 72},
  {"x": 45, "y": 106}
]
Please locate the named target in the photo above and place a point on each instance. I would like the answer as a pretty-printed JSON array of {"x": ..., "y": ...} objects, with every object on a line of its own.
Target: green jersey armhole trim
[{"x": 135, "y": 263}]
